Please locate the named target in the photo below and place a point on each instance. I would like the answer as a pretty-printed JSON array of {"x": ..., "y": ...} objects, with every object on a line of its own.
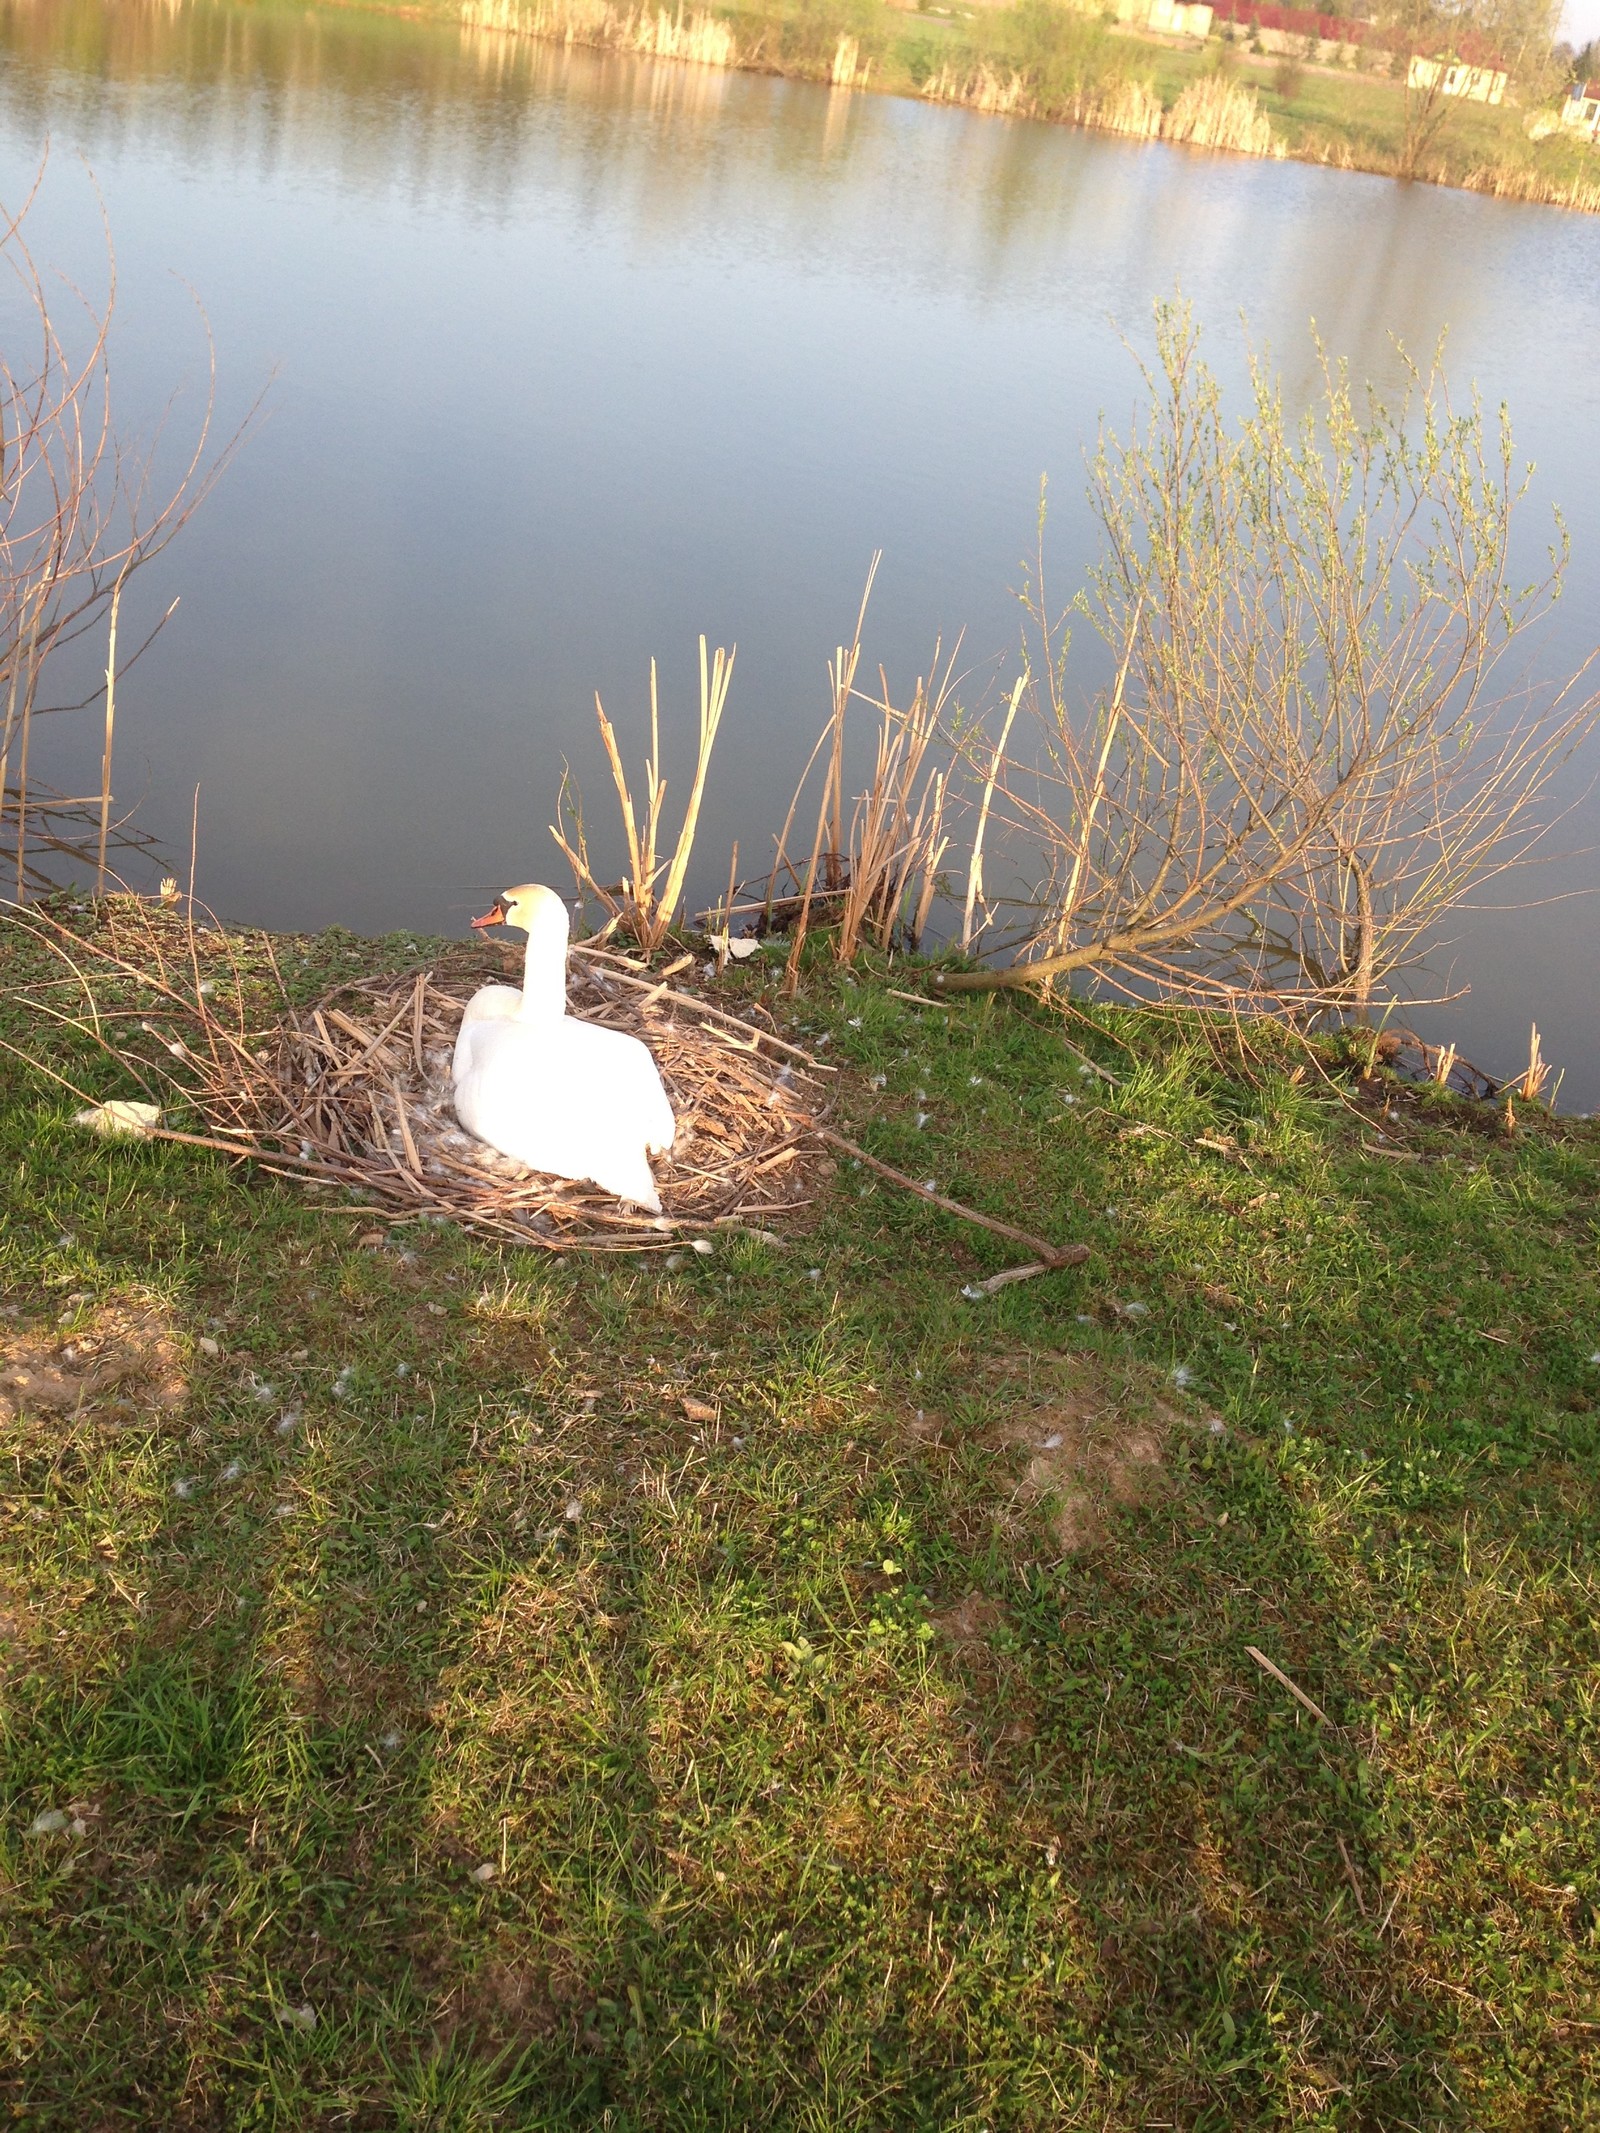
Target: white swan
[{"x": 559, "y": 1094}]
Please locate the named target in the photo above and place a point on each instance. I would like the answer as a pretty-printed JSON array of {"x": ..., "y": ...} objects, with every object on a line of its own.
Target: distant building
[
  {"x": 1178, "y": 19},
  {"x": 1581, "y": 111},
  {"x": 1480, "y": 85},
  {"x": 1172, "y": 18}
]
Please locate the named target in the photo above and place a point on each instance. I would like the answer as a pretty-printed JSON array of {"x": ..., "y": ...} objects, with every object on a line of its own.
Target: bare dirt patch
[
  {"x": 970, "y": 1621},
  {"x": 1091, "y": 1446},
  {"x": 127, "y": 1352}
]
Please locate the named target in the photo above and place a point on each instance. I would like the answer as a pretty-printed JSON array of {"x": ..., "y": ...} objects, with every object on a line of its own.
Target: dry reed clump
[
  {"x": 849, "y": 70},
  {"x": 981, "y": 89},
  {"x": 1211, "y": 113},
  {"x": 1509, "y": 181},
  {"x": 1132, "y": 108},
  {"x": 643, "y": 902},
  {"x": 1216, "y": 113},
  {"x": 653, "y": 33},
  {"x": 355, "y": 1090},
  {"x": 875, "y": 877}
]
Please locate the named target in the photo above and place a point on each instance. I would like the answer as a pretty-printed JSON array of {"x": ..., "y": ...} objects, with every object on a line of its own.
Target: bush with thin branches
[
  {"x": 1313, "y": 751},
  {"x": 81, "y": 512}
]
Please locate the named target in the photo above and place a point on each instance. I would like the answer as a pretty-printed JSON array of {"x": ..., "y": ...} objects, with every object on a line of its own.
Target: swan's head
[{"x": 532, "y": 908}]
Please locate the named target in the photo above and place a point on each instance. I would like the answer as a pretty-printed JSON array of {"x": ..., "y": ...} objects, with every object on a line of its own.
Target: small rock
[
  {"x": 485, "y": 1872},
  {"x": 208, "y": 1346},
  {"x": 574, "y": 1511}
]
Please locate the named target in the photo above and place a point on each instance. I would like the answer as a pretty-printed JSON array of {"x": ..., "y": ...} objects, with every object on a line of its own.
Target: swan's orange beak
[{"x": 495, "y": 916}]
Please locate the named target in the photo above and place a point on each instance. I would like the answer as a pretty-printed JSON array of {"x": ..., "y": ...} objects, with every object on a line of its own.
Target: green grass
[{"x": 777, "y": 1834}]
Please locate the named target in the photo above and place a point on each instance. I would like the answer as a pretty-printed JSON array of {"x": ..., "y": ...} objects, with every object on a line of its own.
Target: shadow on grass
[{"x": 712, "y": 1614}]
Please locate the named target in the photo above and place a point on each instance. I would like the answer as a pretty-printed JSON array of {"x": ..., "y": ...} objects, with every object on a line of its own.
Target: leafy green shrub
[
  {"x": 808, "y": 35},
  {"x": 1062, "y": 55}
]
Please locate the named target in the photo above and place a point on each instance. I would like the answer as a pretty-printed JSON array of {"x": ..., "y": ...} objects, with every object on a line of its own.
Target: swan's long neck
[{"x": 544, "y": 974}]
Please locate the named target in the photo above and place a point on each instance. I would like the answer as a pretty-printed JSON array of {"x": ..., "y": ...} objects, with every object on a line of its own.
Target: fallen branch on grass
[
  {"x": 1278, "y": 1674},
  {"x": 1050, "y": 1256}
]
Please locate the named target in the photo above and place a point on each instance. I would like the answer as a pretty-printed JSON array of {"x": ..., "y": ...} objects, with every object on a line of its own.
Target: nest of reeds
[
  {"x": 363, "y": 1079},
  {"x": 355, "y": 1091}
]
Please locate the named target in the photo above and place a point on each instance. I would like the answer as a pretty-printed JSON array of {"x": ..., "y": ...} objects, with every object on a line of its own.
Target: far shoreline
[{"x": 1478, "y": 139}]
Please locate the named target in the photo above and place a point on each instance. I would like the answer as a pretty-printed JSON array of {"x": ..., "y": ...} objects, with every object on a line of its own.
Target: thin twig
[
  {"x": 1278, "y": 1674},
  {"x": 1052, "y": 1255}
]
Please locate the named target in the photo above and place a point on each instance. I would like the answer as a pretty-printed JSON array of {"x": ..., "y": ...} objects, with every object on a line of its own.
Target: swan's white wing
[
  {"x": 565, "y": 1098},
  {"x": 627, "y": 1070},
  {"x": 489, "y": 1005}
]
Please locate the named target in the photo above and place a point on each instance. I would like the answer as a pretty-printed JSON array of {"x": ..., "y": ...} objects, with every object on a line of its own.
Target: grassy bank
[
  {"x": 1044, "y": 60},
  {"x": 451, "y": 1688}
]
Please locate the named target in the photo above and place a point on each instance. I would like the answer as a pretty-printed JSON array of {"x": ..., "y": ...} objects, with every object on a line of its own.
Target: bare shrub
[
  {"x": 1311, "y": 755},
  {"x": 80, "y": 514}
]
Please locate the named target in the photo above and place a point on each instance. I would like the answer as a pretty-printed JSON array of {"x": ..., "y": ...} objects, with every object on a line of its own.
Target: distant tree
[{"x": 1518, "y": 35}]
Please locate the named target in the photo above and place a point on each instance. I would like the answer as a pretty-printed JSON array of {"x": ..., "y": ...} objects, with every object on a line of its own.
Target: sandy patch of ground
[
  {"x": 126, "y": 1351},
  {"x": 1088, "y": 1447}
]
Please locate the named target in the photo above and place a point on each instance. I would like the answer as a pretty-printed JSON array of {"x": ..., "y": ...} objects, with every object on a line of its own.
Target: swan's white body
[{"x": 561, "y": 1095}]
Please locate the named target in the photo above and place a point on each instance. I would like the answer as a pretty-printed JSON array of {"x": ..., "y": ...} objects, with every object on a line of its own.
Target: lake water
[{"x": 571, "y": 359}]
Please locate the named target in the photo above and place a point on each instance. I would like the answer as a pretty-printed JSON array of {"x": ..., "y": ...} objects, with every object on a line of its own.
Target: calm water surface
[{"x": 573, "y": 358}]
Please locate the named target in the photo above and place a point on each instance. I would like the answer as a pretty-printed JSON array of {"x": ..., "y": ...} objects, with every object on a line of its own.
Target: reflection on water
[{"x": 577, "y": 356}]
